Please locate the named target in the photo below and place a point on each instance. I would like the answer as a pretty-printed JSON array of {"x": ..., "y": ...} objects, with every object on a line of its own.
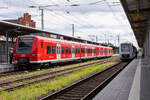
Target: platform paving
[
  {"x": 7, "y": 67},
  {"x": 119, "y": 88},
  {"x": 145, "y": 81}
]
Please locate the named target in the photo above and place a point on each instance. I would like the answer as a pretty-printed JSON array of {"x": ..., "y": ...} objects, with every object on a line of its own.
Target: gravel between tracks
[
  {"x": 19, "y": 83},
  {"x": 81, "y": 89}
]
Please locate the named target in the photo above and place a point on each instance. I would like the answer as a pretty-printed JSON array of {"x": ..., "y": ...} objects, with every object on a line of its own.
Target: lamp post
[{"x": 72, "y": 30}]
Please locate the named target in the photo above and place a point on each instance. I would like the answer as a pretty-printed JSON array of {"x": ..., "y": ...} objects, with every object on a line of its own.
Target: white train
[{"x": 127, "y": 51}]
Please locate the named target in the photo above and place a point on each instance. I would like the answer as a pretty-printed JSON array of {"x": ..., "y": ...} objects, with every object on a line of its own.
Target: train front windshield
[
  {"x": 125, "y": 48},
  {"x": 24, "y": 44}
]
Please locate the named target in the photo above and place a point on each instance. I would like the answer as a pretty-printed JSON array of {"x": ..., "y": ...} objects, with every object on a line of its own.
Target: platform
[
  {"x": 7, "y": 67},
  {"x": 133, "y": 83}
]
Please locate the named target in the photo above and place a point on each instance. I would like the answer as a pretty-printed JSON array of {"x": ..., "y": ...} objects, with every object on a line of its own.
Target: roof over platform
[
  {"x": 16, "y": 30},
  {"x": 138, "y": 14}
]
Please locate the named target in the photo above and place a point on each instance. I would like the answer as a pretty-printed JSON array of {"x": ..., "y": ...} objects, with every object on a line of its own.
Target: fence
[{"x": 3, "y": 51}]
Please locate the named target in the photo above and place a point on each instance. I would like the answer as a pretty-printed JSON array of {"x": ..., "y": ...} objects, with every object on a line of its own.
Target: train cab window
[
  {"x": 48, "y": 49},
  {"x": 41, "y": 44},
  {"x": 53, "y": 50},
  {"x": 63, "y": 50}
]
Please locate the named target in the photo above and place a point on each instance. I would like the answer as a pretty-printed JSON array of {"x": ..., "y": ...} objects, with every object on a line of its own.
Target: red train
[{"x": 30, "y": 49}]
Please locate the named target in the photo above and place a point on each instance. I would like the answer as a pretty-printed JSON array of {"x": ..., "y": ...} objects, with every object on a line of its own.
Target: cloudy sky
[{"x": 102, "y": 18}]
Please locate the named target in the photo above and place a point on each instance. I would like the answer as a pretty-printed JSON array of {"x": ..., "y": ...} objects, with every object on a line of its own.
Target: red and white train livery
[{"x": 30, "y": 49}]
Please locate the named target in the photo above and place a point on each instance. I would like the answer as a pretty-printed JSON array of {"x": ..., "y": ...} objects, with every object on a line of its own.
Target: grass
[
  {"x": 49, "y": 69},
  {"x": 35, "y": 90},
  {"x": 44, "y": 70}
]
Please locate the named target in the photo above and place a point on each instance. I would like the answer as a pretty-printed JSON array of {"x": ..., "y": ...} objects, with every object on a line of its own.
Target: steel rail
[
  {"x": 20, "y": 82},
  {"x": 79, "y": 91}
]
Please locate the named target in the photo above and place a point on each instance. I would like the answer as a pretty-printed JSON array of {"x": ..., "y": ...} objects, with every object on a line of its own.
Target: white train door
[
  {"x": 85, "y": 52},
  {"x": 92, "y": 52},
  {"x": 58, "y": 52},
  {"x": 73, "y": 51}
]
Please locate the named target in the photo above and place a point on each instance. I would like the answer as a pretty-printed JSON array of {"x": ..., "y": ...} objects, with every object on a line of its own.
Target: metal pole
[
  {"x": 96, "y": 39},
  {"x": 7, "y": 47},
  {"x": 42, "y": 18},
  {"x": 118, "y": 40},
  {"x": 105, "y": 37},
  {"x": 73, "y": 30}
]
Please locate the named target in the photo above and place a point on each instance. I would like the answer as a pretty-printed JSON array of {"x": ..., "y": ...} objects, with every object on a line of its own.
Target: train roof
[
  {"x": 44, "y": 38},
  {"x": 16, "y": 30},
  {"x": 126, "y": 43}
]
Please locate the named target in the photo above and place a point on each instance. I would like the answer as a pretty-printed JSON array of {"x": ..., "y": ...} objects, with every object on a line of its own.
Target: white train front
[{"x": 127, "y": 51}]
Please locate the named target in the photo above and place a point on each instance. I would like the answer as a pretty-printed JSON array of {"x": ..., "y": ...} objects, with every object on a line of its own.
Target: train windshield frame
[
  {"x": 24, "y": 44},
  {"x": 125, "y": 47}
]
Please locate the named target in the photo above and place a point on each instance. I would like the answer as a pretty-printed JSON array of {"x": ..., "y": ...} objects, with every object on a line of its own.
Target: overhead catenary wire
[{"x": 71, "y": 17}]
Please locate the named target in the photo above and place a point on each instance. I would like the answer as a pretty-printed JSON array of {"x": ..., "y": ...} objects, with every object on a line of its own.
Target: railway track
[
  {"x": 87, "y": 88},
  {"x": 13, "y": 84},
  {"x": 7, "y": 74}
]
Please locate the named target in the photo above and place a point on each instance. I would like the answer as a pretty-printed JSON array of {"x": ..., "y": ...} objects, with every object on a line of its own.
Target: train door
[
  {"x": 73, "y": 51},
  {"x": 42, "y": 50},
  {"x": 58, "y": 52},
  {"x": 92, "y": 52},
  {"x": 85, "y": 51}
]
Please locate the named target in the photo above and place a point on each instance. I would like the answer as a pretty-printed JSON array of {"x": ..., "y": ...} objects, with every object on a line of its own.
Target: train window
[
  {"x": 83, "y": 50},
  {"x": 78, "y": 50},
  {"x": 48, "y": 49},
  {"x": 63, "y": 50},
  {"x": 41, "y": 44},
  {"x": 53, "y": 50},
  {"x": 69, "y": 50}
]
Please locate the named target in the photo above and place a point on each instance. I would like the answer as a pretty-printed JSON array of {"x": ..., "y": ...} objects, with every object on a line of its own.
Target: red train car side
[{"x": 30, "y": 49}]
